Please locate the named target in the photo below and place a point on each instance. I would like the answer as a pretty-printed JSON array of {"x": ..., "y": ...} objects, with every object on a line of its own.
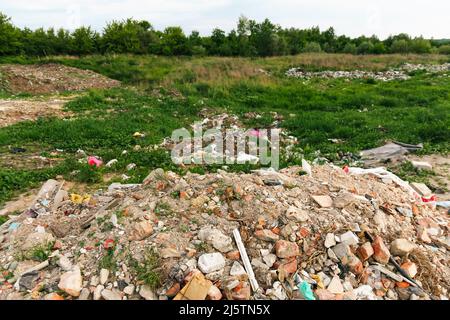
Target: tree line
[{"x": 248, "y": 39}]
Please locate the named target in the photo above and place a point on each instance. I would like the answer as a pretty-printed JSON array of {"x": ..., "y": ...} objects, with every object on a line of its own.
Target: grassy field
[{"x": 160, "y": 94}]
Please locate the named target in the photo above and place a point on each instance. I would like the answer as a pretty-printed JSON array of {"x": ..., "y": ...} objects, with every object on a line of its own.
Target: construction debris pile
[
  {"x": 51, "y": 78},
  {"x": 389, "y": 75},
  {"x": 319, "y": 232},
  {"x": 230, "y": 128}
]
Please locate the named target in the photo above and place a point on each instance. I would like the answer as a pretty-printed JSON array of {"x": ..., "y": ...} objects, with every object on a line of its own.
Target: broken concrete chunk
[
  {"x": 296, "y": 214},
  {"x": 422, "y": 165},
  {"x": 402, "y": 247},
  {"x": 210, "y": 262},
  {"x": 335, "y": 286},
  {"x": 71, "y": 282},
  {"x": 421, "y": 189},
  {"x": 266, "y": 235},
  {"x": 349, "y": 238},
  {"x": 323, "y": 201},
  {"x": 330, "y": 240},
  {"x": 237, "y": 269},
  {"x": 216, "y": 238}
]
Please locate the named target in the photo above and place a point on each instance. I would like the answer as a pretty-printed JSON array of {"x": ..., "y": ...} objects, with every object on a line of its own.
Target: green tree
[
  {"x": 420, "y": 45},
  {"x": 84, "y": 41},
  {"x": 365, "y": 47},
  {"x": 312, "y": 47},
  {"x": 350, "y": 48},
  {"x": 9, "y": 37},
  {"x": 174, "y": 42},
  {"x": 400, "y": 46}
]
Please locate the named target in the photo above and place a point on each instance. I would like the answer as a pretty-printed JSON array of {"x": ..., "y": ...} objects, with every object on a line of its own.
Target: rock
[
  {"x": 323, "y": 201},
  {"x": 141, "y": 230},
  {"x": 330, "y": 240},
  {"x": 335, "y": 286},
  {"x": 349, "y": 238},
  {"x": 98, "y": 292},
  {"x": 214, "y": 293},
  {"x": 241, "y": 292},
  {"x": 343, "y": 199},
  {"x": 37, "y": 239},
  {"x": 233, "y": 255},
  {"x": 286, "y": 249},
  {"x": 210, "y": 262},
  {"x": 422, "y": 165},
  {"x": 277, "y": 292},
  {"x": 355, "y": 264},
  {"x": 111, "y": 295},
  {"x": 65, "y": 263},
  {"x": 421, "y": 189},
  {"x": 402, "y": 247},
  {"x": 324, "y": 294},
  {"x": 129, "y": 290},
  {"x": 71, "y": 282},
  {"x": 237, "y": 269},
  {"x": 266, "y": 235},
  {"x": 269, "y": 259},
  {"x": 154, "y": 176},
  {"x": 422, "y": 234},
  {"x": 216, "y": 238},
  {"x": 288, "y": 267},
  {"x": 341, "y": 250},
  {"x": 365, "y": 251},
  {"x": 170, "y": 253},
  {"x": 410, "y": 268},
  {"x": 104, "y": 274},
  {"x": 53, "y": 296},
  {"x": 84, "y": 295},
  {"x": 147, "y": 293},
  {"x": 381, "y": 252},
  {"x": 296, "y": 214},
  {"x": 28, "y": 281},
  {"x": 173, "y": 290}
]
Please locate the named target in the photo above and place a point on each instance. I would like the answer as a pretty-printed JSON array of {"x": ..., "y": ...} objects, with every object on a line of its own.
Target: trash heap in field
[
  {"x": 389, "y": 75},
  {"x": 314, "y": 233}
]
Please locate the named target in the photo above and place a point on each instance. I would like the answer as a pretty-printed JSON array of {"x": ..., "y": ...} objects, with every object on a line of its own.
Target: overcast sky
[{"x": 351, "y": 17}]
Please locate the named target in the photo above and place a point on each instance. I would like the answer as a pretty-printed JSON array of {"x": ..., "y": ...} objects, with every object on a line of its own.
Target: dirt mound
[
  {"x": 328, "y": 234},
  {"x": 51, "y": 78}
]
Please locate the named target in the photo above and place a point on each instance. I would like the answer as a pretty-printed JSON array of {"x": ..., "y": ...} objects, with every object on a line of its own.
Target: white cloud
[{"x": 350, "y": 17}]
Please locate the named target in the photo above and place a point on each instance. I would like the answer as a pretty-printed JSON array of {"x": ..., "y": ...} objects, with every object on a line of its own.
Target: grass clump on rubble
[
  {"x": 149, "y": 269},
  {"x": 3, "y": 219}
]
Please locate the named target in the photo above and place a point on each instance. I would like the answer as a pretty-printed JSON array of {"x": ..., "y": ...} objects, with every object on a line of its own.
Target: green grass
[
  {"x": 40, "y": 253},
  {"x": 3, "y": 219},
  {"x": 149, "y": 269},
  {"x": 160, "y": 94}
]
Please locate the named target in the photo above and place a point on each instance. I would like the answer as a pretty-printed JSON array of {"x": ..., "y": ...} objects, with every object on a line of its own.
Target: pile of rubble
[
  {"x": 51, "y": 78},
  {"x": 389, "y": 75},
  {"x": 318, "y": 232},
  {"x": 430, "y": 68},
  {"x": 231, "y": 128}
]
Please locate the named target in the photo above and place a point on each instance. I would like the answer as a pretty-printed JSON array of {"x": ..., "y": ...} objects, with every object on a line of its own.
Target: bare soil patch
[
  {"x": 51, "y": 78},
  {"x": 16, "y": 110}
]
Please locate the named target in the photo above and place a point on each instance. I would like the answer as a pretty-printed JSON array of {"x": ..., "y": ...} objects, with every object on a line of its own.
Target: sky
[{"x": 350, "y": 17}]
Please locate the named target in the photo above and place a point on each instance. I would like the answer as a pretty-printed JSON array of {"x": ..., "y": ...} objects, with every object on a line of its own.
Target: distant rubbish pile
[
  {"x": 389, "y": 75},
  {"x": 318, "y": 233}
]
